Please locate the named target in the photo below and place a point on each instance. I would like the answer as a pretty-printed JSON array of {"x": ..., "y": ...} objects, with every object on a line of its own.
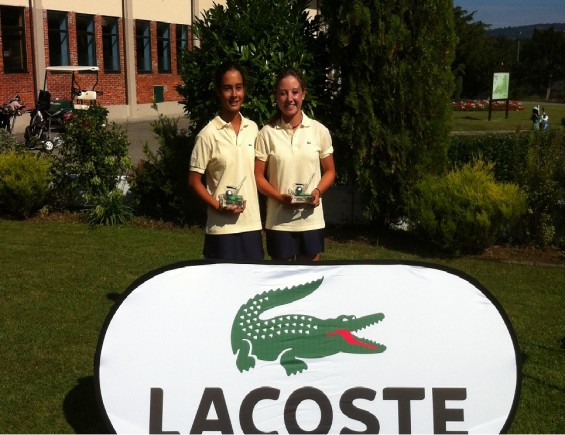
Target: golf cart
[{"x": 49, "y": 116}]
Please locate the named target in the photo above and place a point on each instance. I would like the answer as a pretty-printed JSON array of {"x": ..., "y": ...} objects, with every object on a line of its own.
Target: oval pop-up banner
[{"x": 329, "y": 348}]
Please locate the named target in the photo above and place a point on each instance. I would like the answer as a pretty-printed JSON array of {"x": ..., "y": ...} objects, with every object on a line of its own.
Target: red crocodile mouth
[{"x": 348, "y": 336}]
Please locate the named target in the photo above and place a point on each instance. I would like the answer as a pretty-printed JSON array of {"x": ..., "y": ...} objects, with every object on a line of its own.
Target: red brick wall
[
  {"x": 146, "y": 81},
  {"x": 112, "y": 84},
  {"x": 21, "y": 84}
]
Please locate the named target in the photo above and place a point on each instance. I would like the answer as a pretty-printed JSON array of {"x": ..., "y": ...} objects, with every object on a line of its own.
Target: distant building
[{"x": 135, "y": 43}]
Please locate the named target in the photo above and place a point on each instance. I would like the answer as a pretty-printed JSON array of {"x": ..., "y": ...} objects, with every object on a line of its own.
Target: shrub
[
  {"x": 543, "y": 181},
  {"x": 91, "y": 161},
  {"x": 465, "y": 210},
  {"x": 24, "y": 180},
  {"x": 9, "y": 142},
  {"x": 535, "y": 161},
  {"x": 109, "y": 208},
  {"x": 160, "y": 183}
]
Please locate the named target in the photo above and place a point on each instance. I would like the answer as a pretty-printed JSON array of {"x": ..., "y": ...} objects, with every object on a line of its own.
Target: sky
[{"x": 510, "y": 13}]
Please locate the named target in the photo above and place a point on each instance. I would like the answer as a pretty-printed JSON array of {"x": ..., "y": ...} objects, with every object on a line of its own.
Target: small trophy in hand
[
  {"x": 232, "y": 197},
  {"x": 300, "y": 195}
]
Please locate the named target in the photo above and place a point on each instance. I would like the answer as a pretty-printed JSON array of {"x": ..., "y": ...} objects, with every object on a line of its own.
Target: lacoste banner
[{"x": 372, "y": 347}]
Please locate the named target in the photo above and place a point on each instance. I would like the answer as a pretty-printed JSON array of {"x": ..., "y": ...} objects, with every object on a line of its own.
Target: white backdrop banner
[{"x": 372, "y": 347}]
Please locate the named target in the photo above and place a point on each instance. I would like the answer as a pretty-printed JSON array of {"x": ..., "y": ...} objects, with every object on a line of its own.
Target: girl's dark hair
[
  {"x": 224, "y": 67},
  {"x": 281, "y": 75}
]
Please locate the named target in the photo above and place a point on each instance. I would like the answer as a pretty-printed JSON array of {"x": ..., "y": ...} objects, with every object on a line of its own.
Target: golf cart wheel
[{"x": 48, "y": 146}]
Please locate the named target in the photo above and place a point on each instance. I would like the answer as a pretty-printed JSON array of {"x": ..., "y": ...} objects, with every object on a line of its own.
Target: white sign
[
  {"x": 500, "y": 86},
  {"x": 326, "y": 348}
]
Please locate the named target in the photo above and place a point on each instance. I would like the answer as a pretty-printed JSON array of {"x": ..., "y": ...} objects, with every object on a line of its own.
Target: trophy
[
  {"x": 231, "y": 196},
  {"x": 299, "y": 195}
]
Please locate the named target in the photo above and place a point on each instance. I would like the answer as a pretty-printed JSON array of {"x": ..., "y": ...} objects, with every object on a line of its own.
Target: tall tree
[
  {"x": 480, "y": 55},
  {"x": 393, "y": 85},
  {"x": 542, "y": 62},
  {"x": 264, "y": 36},
  {"x": 474, "y": 52}
]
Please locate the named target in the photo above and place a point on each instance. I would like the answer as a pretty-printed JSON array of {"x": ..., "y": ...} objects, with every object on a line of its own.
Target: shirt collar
[
  {"x": 219, "y": 123},
  {"x": 306, "y": 122}
]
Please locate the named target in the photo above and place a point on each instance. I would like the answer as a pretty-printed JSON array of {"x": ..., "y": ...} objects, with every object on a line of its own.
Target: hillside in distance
[{"x": 523, "y": 32}]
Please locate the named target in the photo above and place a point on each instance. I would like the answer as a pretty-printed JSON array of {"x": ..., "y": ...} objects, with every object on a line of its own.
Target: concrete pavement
[{"x": 139, "y": 129}]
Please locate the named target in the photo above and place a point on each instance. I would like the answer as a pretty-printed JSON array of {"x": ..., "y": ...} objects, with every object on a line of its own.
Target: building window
[
  {"x": 86, "y": 40},
  {"x": 13, "y": 39},
  {"x": 110, "y": 44},
  {"x": 58, "y": 30},
  {"x": 143, "y": 45},
  {"x": 164, "y": 47},
  {"x": 182, "y": 42}
]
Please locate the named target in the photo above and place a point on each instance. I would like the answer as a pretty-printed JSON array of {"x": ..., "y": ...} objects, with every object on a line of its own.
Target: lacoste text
[{"x": 214, "y": 398}]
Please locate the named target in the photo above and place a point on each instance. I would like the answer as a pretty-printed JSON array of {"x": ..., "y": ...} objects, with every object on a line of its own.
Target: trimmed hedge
[{"x": 465, "y": 210}]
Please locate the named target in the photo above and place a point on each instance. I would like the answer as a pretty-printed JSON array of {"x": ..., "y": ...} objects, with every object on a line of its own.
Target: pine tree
[{"x": 392, "y": 85}]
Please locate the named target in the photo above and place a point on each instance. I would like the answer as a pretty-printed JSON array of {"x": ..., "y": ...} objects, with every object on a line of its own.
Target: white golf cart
[{"x": 49, "y": 116}]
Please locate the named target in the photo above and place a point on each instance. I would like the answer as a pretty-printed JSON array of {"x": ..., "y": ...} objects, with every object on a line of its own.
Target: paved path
[{"x": 139, "y": 133}]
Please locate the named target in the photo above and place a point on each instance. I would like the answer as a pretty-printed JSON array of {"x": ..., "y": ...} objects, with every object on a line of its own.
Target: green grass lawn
[
  {"x": 517, "y": 121},
  {"x": 59, "y": 281}
]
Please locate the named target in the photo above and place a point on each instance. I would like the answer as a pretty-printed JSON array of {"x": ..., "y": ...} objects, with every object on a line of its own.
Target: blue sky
[{"x": 508, "y": 13}]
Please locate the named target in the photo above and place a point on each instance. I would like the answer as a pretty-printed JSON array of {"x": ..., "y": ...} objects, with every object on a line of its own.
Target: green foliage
[
  {"x": 8, "y": 142},
  {"x": 479, "y": 53},
  {"x": 543, "y": 180},
  {"x": 542, "y": 62},
  {"x": 24, "y": 181},
  {"x": 91, "y": 161},
  {"x": 160, "y": 183},
  {"x": 535, "y": 161},
  {"x": 264, "y": 36},
  {"x": 465, "y": 210},
  {"x": 392, "y": 93},
  {"x": 109, "y": 208}
]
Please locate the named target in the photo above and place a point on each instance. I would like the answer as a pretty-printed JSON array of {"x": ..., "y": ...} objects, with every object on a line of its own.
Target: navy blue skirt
[
  {"x": 246, "y": 246},
  {"x": 289, "y": 244}
]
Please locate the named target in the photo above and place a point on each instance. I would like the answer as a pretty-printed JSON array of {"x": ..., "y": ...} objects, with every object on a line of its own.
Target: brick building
[{"x": 135, "y": 44}]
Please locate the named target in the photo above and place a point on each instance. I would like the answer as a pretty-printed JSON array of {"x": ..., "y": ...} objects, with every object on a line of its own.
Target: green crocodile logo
[{"x": 295, "y": 336}]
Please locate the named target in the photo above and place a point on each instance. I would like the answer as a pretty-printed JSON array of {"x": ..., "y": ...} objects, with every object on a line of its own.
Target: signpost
[{"x": 500, "y": 86}]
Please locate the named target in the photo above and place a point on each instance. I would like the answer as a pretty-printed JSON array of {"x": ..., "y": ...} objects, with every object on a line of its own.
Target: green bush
[
  {"x": 535, "y": 161},
  {"x": 160, "y": 183},
  {"x": 24, "y": 181},
  {"x": 109, "y": 209},
  {"x": 543, "y": 181},
  {"x": 91, "y": 161},
  {"x": 9, "y": 142},
  {"x": 464, "y": 211}
]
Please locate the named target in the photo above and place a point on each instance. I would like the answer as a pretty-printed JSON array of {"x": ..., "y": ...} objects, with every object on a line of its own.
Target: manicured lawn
[
  {"x": 517, "y": 120},
  {"x": 59, "y": 280}
]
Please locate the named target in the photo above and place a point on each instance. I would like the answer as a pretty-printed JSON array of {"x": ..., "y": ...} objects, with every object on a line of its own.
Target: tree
[
  {"x": 542, "y": 61},
  {"x": 393, "y": 83},
  {"x": 265, "y": 36}
]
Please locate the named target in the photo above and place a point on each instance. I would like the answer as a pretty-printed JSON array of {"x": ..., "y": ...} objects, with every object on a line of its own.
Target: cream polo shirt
[
  {"x": 293, "y": 157},
  {"x": 227, "y": 159}
]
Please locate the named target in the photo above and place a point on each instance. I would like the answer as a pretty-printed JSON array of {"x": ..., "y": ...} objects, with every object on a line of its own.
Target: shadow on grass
[
  {"x": 395, "y": 240},
  {"x": 81, "y": 409}
]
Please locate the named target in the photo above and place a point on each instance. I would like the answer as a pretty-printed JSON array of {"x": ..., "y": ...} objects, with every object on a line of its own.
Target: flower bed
[{"x": 482, "y": 105}]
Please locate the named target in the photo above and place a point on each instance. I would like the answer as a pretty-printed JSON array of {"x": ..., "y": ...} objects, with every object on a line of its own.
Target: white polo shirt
[
  {"x": 228, "y": 159},
  {"x": 293, "y": 157}
]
